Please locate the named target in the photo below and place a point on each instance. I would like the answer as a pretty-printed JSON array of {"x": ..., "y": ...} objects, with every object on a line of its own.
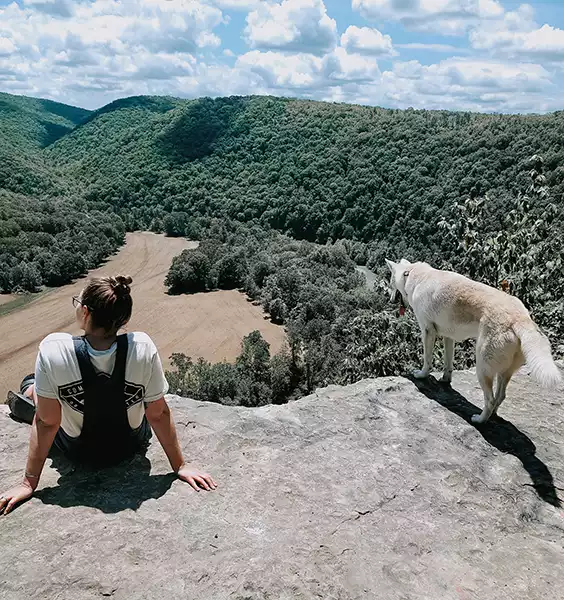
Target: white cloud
[
  {"x": 448, "y": 17},
  {"x": 366, "y": 40},
  {"x": 309, "y": 72},
  {"x": 491, "y": 74},
  {"x": 278, "y": 70},
  {"x": 109, "y": 49},
  {"x": 454, "y": 83},
  {"x": 343, "y": 66},
  {"x": 518, "y": 35},
  {"x": 169, "y": 25},
  {"x": 292, "y": 25},
  {"x": 471, "y": 84},
  {"x": 7, "y": 47},
  {"x": 163, "y": 67}
]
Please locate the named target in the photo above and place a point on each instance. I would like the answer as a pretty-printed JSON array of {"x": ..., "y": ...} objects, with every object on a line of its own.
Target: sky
[{"x": 479, "y": 55}]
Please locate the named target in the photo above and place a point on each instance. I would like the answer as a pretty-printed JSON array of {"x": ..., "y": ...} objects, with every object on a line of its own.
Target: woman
[{"x": 98, "y": 396}]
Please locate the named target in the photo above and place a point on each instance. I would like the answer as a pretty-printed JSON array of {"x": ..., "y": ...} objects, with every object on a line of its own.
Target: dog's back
[{"x": 460, "y": 308}]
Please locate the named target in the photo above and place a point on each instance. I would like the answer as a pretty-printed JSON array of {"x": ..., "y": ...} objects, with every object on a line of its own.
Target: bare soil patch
[{"x": 210, "y": 325}]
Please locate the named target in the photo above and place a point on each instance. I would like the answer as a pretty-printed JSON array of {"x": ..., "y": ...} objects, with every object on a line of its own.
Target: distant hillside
[
  {"x": 115, "y": 139},
  {"x": 47, "y": 234},
  {"x": 315, "y": 170},
  {"x": 312, "y": 169},
  {"x": 28, "y": 125}
]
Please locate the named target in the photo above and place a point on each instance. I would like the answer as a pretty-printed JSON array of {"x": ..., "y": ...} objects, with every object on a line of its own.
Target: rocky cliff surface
[{"x": 382, "y": 489}]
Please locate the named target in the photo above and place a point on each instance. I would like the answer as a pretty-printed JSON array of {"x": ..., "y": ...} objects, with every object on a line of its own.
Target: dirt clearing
[{"x": 210, "y": 325}]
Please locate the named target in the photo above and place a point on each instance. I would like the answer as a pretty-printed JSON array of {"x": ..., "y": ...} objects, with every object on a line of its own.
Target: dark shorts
[
  {"x": 69, "y": 445},
  {"x": 26, "y": 383}
]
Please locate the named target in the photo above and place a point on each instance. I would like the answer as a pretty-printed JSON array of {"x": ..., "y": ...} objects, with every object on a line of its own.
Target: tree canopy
[{"x": 313, "y": 170}]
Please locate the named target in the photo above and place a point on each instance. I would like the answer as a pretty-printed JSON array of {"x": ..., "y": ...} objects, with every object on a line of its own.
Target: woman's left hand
[{"x": 196, "y": 478}]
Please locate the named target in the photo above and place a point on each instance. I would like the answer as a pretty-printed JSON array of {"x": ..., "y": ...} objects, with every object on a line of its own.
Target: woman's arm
[
  {"x": 160, "y": 419},
  {"x": 43, "y": 430}
]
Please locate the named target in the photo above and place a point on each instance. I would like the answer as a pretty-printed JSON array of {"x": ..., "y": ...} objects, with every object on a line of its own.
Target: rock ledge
[{"x": 376, "y": 490}]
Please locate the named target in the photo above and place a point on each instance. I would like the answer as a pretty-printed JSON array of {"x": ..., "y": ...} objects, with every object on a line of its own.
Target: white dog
[{"x": 455, "y": 307}]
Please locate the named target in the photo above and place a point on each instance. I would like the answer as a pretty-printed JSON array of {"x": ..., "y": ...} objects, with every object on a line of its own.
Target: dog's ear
[
  {"x": 391, "y": 265},
  {"x": 403, "y": 261}
]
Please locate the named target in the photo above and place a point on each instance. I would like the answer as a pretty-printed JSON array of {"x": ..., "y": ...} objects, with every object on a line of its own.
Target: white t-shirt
[{"x": 57, "y": 375}]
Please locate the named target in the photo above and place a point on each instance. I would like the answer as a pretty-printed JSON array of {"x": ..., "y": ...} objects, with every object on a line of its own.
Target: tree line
[
  {"x": 48, "y": 234},
  {"x": 51, "y": 241},
  {"x": 314, "y": 171},
  {"x": 338, "y": 331}
]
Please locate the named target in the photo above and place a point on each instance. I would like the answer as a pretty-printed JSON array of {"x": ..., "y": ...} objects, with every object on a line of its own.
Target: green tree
[
  {"x": 254, "y": 359},
  {"x": 524, "y": 257},
  {"x": 25, "y": 277},
  {"x": 281, "y": 380},
  {"x": 176, "y": 223},
  {"x": 231, "y": 271},
  {"x": 188, "y": 273},
  {"x": 278, "y": 310}
]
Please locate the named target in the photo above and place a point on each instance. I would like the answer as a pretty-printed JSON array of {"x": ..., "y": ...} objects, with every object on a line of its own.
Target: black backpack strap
[
  {"x": 106, "y": 435},
  {"x": 87, "y": 371},
  {"x": 118, "y": 374}
]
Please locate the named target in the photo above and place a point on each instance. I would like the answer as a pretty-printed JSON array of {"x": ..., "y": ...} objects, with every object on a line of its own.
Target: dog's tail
[{"x": 536, "y": 349}]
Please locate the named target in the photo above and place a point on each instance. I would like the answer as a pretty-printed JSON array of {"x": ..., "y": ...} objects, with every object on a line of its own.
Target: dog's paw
[
  {"x": 477, "y": 420},
  {"x": 421, "y": 374},
  {"x": 446, "y": 378}
]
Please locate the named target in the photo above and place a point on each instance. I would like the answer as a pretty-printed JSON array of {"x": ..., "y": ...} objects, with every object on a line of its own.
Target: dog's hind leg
[
  {"x": 428, "y": 337},
  {"x": 501, "y": 382},
  {"x": 449, "y": 359},
  {"x": 486, "y": 383},
  {"x": 503, "y": 379}
]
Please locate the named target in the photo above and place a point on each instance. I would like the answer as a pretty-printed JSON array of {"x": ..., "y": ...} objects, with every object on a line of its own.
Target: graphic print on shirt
[{"x": 73, "y": 393}]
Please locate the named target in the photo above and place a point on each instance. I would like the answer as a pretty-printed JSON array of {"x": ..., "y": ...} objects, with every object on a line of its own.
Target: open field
[{"x": 209, "y": 325}]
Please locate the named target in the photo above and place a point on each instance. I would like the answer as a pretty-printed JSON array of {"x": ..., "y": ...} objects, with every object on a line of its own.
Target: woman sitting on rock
[{"x": 97, "y": 397}]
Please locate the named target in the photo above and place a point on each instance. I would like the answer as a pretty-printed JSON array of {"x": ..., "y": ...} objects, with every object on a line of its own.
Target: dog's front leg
[{"x": 428, "y": 336}]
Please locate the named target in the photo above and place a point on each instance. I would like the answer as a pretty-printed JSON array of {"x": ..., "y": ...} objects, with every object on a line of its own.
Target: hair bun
[{"x": 121, "y": 284}]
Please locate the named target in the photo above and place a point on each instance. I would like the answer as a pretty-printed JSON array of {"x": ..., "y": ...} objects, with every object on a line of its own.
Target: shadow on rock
[
  {"x": 110, "y": 490},
  {"x": 498, "y": 432}
]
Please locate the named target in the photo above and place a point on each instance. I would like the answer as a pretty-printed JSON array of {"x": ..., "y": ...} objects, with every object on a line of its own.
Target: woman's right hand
[{"x": 13, "y": 496}]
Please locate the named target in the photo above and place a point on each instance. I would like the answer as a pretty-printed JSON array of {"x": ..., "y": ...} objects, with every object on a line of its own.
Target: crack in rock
[{"x": 363, "y": 513}]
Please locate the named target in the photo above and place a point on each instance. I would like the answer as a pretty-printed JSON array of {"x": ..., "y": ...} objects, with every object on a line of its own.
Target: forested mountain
[
  {"x": 27, "y": 126},
  {"x": 30, "y": 123},
  {"x": 314, "y": 170},
  {"x": 47, "y": 233}
]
